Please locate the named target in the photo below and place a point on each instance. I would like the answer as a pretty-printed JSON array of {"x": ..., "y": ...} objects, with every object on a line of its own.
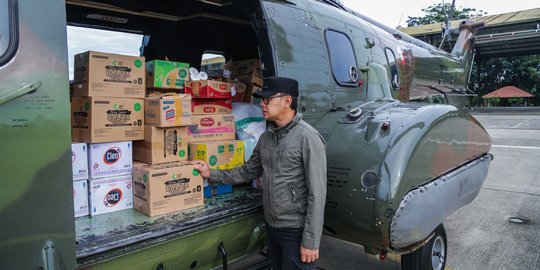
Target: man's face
[{"x": 275, "y": 106}]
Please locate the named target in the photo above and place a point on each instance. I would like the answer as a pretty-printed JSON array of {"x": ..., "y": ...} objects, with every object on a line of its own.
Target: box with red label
[
  {"x": 80, "y": 198},
  {"x": 161, "y": 145},
  {"x": 208, "y": 89},
  {"x": 109, "y": 159},
  {"x": 167, "y": 110},
  {"x": 211, "y": 128},
  {"x": 167, "y": 187},
  {"x": 79, "y": 161},
  {"x": 110, "y": 194},
  {"x": 211, "y": 106}
]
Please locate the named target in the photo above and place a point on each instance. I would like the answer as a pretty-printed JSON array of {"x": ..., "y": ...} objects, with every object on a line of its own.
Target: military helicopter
[{"x": 396, "y": 168}]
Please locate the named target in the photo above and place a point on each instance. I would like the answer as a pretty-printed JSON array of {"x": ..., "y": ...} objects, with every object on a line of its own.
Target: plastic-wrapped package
[{"x": 250, "y": 124}]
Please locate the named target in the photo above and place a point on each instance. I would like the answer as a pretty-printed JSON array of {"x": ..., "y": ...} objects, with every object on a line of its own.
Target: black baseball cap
[{"x": 274, "y": 85}]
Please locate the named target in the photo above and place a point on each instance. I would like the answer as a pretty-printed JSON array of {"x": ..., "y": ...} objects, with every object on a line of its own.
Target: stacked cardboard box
[
  {"x": 212, "y": 134},
  {"x": 248, "y": 72},
  {"x": 165, "y": 182},
  {"x": 166, "y": 187},
  {"x": 107, "y": 110}
]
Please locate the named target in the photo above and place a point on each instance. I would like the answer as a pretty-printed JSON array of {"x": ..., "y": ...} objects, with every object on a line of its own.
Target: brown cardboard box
[
  {"x": 211, "y": 106},
  {"x": 240, "y": 88},
  {"x": 208, "y": 89},
  {"x": 102, "y": 119},
  {"x": 168, "y": 110},
  {"x": 161, "y": 145},
  {"x": 211, "y": 128},
  {"x": 222, "y": 155},
  {"x": 248, "y": 71},
  {"x": 166, "y": 74},
  {"x": 108, "y": 75},
  {"x": 248, "y": 94},
  {"x": 164, "y": 188}
]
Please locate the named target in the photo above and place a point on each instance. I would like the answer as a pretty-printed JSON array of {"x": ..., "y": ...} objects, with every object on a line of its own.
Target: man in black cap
[{"x": 290, "y": 157}]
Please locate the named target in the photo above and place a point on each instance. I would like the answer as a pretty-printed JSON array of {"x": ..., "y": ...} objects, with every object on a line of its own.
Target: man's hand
[
  {"x": 308, "y": 255},
  {"x": 202, "y": 167}
]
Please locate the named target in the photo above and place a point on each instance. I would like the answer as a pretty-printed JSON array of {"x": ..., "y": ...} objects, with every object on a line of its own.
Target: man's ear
[{"x": 288, "y": 101}]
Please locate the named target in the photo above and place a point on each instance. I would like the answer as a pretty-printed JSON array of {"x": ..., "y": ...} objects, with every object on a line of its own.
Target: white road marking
[
  {"x": 517, "y": 147},
  {"x": 521, "y": 123}
]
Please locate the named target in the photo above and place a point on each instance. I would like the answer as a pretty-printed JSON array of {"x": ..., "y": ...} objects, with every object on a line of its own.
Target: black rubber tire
[{"x": 421, "y": 259}]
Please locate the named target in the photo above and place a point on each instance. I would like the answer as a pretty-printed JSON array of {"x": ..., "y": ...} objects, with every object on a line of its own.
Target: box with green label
[
  {"x": 109, "y": 75},
  {"x": 161, "y": 145},
  {"x": 103, "y": 119},
  {"x": 168, "y": 187},
  {"x": 166, "y": 74},
  {"x": 222, "y": 155}
]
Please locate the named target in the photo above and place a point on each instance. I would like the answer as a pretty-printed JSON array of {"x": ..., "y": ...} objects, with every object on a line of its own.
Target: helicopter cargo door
[{"x": 36, "y": 204}]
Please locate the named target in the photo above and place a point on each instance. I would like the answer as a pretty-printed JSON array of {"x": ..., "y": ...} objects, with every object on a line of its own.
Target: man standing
[{"x": 290, "y": 157}]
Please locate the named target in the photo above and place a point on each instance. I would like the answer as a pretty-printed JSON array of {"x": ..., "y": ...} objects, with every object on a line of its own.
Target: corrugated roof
[
  {"x": 508, "y": 92},
  {"x": 490, "y": 20}
]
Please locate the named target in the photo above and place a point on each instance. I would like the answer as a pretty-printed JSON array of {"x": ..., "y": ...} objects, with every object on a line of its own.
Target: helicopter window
[
  {"x": 342, "y": 58},
  {"x": 392, "y": 63},
  {"x": 8, "y": 30}
]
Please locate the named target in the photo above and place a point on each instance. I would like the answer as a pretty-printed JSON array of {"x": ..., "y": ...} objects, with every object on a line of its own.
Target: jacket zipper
[{"x": 293, "y": 190}]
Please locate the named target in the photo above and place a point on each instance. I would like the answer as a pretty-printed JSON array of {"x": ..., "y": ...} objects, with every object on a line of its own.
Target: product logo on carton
[
  {"x": 73, "y": 155},
  {"x": 117, "y": 73},
  {"x": 222, "y": 86},
  {"x": 118, "y": 117},
  {"x": 207, "y": 122},
  {"x": 112, "y": 155},
  {"x": 209, "y": 110},
  {"x": 169, "y": 114},
  {"x": 112, "y": 197},
  {"x": 177, "y": 187}
]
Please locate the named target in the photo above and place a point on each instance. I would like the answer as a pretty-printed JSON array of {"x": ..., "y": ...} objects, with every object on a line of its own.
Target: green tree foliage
[
  {"x": 520, "y": 71},
  {"x": 435, "y": 13}
]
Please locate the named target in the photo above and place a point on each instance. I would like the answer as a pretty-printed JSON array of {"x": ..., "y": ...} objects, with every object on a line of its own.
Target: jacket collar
[{"x": 284, "y": 129}]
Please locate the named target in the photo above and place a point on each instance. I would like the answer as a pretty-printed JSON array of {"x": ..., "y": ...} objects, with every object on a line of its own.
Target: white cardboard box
[
  {"x": 79, "y": 161},
  {"x": 110, "y": 194},
  {"x": 80, "y": 198},
  {"x": 110, "y": 159}
]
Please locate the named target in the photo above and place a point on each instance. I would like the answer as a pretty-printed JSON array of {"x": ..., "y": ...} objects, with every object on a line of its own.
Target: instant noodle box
[
  {"x": 103, "y": 119},
  {"x": 167, "y": 187},
  {"x": 161, "y": 145},
  {"x": 208, "y": 89}
]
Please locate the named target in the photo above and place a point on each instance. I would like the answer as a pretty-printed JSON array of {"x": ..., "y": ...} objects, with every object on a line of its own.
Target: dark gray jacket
[{"x": 292, "y": 163}]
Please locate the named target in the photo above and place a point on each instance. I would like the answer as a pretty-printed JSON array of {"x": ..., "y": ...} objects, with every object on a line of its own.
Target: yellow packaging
[{"x": 222, "y": 155}]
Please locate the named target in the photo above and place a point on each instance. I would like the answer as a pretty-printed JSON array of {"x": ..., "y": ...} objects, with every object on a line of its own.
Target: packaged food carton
[
  {"x": 166, "y": 74},
  {"x": 208, "y": 89},
  {"x": 168, "y": 110},
  {"x": 167, "y": 187},
  {"x": 100, "y": 74},
  {"x": 222, "y": 155},
  {"x": 211, "y": 106},
  {"x": 103, "y": 119},
  {"x": 211, "y": 128},
  {"x": 161, "y": 145}
]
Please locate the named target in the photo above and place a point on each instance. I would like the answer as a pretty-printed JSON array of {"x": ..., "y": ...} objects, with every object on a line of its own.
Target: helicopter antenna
[{"x": 447, "y": 24}]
